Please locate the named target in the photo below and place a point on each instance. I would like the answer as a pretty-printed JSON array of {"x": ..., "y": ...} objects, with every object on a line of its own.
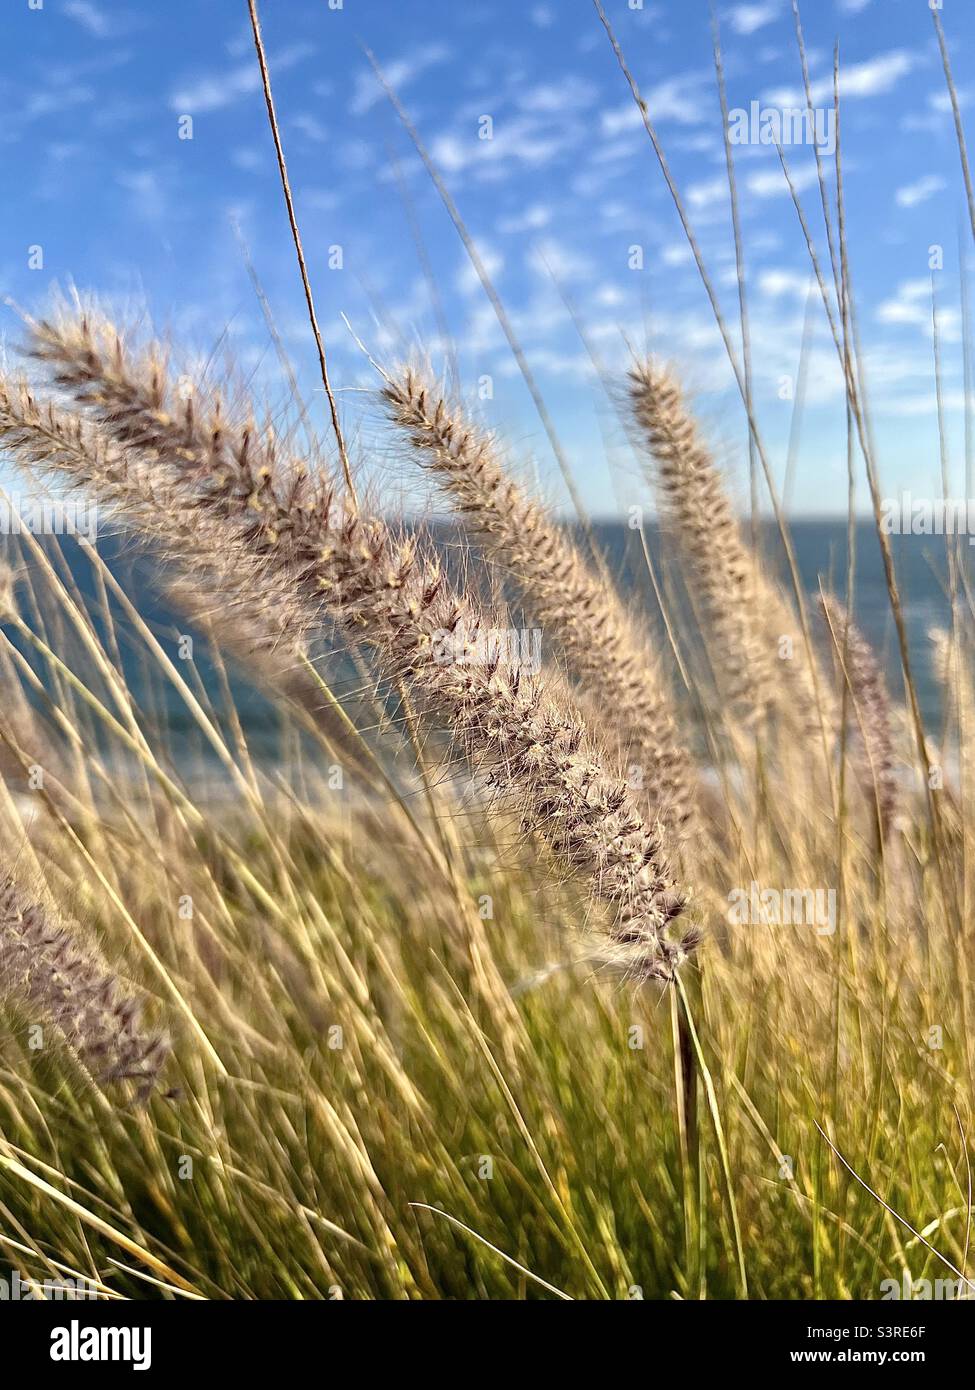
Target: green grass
[{"x": 545, "y": 1124}]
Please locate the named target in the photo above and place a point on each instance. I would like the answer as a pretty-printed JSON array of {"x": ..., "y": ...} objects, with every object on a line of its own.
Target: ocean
[{"x": 821, "y": 552}]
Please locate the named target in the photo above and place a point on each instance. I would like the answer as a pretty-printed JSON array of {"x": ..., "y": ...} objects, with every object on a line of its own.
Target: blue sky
[{"x": 96, "y": 175}]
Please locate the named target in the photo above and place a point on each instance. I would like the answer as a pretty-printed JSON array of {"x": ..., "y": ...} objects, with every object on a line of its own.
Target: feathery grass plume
[
  {"x": 384, "y": 590},
  {"x": 15, "y": 720},
  {"x": 606, "y": 654},
  {"x": 720, "y": 568},
  {"x": 747, "y": 614},
  {"x": 42, "y": 436},
  {"x": 212, "y": 576},
  {"x": 873, "y": 711},
  {"x": 44, "y": 966},
  {"x": 952, "y": 671}
]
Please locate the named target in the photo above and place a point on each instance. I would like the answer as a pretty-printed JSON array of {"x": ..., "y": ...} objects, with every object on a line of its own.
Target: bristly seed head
[
  {"x": 383, "y": 589},
  {"x": 47, "y": 968}
]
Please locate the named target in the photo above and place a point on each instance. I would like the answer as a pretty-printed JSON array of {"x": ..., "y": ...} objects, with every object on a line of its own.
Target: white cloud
[
  {"x": 874, "y": 76},
  {"x": 550, "y": 258},
  {"x": 451, "y": 154},
  {"x": 248, "y": 159},
  {"x": 677, "y": 254},
  {"x": 706, "y": 194},
  {"x": 913, "y": 193},
  {"x": 567, "y": 95},
  {"x": 939, "y": 109},
  {"x": 609, "y": 297},
  {"x": 925, "y": 404},
  {"x": 911, "y": 305},
  {"x": 777, "y": 283},
  {"x": 214, "y": 91},
  {"x": 310, "y": 126},
  {"x": 772, "y": 183},
  {"x": 852, "y": 6},
  {"x": 867, "y": 79},
  {"x": 895, "y": 311},
  {"x": 148, "y": 200},
  {"x": 533, "y": 219},
  {"x": 55, "y": 100},
  {"x": 927, "y": 122},
  {"x": 918, "y": 288},
  {"x": 699, "y": 143},
  {"x": 356, "y": 155},
  {"x": 90, "y": 17},
  {"x": 941, "y": 101},
  {"x": 521, "y": 141},
  {"x": 321, "y": 199},
  {"x": 745, "y": 19},
  {"x": 399, "y": 74},
  {"x": 543, "y": 17},
  {"x": 467, "y": 281},
  {"x": 683, "y": 99}
]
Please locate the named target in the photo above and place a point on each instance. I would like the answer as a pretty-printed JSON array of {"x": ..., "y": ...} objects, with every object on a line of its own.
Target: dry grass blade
[{"x": 296, "y": 237}]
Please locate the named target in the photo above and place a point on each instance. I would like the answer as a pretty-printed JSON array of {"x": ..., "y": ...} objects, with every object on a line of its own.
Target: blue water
[
  {"x": 821, "y": 548},
  {"x": 821, "y": 556}
]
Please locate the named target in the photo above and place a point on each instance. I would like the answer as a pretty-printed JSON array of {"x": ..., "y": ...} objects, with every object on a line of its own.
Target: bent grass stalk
[
  {"x": 385, "y": 591},
  {"x": 608, "y": 657},
  {"x": 872, "y": 704},
  {"x": 746, "y": 612},
  {"x": 254, "y": 615}
]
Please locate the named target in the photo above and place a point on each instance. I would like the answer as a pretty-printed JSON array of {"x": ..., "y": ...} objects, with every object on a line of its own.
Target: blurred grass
[{"x": 403, "y": 1028}]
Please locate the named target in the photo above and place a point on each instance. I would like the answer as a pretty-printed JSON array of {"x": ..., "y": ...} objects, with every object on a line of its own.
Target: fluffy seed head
[
  {"x": 873, "y": 711},
  {"x": 47, "y": 968},
  {"x": 748, "y": 615},
  {"x": 608, "y": 656},
  {"x": 384, "y": 590}
]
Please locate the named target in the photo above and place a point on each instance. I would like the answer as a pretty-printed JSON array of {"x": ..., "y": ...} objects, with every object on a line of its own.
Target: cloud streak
[
  {"x": 215, "y": 91},
  {"x": 746, "y": 19},
  {"x": 399, "y": 74},
  {"x": 867, "y": 79},
  {"x": 90, "y": 17},
  {"x": 914, "y": 193}
]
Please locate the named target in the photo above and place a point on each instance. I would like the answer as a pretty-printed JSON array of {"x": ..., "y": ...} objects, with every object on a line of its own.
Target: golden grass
[{"x": 406, "y": 1063}]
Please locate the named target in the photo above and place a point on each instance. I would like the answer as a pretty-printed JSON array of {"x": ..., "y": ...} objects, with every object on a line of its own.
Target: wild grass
[
  {"x": 616, "y": 675},
  {"x": 454, "y": 1012}
]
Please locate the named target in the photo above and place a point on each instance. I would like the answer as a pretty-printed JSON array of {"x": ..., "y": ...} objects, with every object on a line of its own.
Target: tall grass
[{"x": 456, "y": 1011}]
